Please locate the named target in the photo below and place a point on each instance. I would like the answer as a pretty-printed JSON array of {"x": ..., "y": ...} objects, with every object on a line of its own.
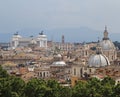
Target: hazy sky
[{"x": 54, "y": 14}]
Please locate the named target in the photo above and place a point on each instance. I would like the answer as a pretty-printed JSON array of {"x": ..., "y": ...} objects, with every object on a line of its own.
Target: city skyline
[{"x": 71, "y": 35}]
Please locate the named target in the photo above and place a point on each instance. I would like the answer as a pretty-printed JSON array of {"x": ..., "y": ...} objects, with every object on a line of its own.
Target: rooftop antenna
[{"x": 63, "y": 39}]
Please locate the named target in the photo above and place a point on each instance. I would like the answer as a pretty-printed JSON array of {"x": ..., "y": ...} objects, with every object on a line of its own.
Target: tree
[
  {"x": 35, "y": 88},
  {"x": 80, "y": 90},
  {"x": 3, "y": 73},
  {"x": 5, "y": 88},
  {"x": 17, "y": 85},
  {"x": 94, "y": 87},
  {"x": 117, "y": 91},
  {"x": 54, "y": 88},
  {"x": 108, "y": 85},
  {"x": 14, "y": 94},
  {"x": 65, "y": 92},
  {"x": 108, "y": 80}
]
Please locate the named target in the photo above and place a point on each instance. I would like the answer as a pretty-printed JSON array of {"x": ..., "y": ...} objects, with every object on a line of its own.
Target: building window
[
  {"x": 81, "y": 72},
  {"x": 40, "y": 74},
  {"x": 43, "y": 74},
  {"x": 90, "y": 70},
  {"x": 112, "y": 57},
  {"x": 86, "y": 53},
  {"x": 74, "y": 71}
]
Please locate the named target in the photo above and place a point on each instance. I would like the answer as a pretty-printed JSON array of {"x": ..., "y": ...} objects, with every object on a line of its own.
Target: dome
[
  {"x": 98, "y": 60},
  {"x": 59, "y": 63},
  {"x": 58, "y": 56},
  {"x": 107, "y": 45}
]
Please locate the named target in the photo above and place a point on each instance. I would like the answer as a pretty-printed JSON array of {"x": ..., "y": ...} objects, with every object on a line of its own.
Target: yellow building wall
[{"x": 73, "y": 81}]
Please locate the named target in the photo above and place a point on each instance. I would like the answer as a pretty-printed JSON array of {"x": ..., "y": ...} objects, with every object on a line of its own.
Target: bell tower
[{"x": 63, "y": 39}]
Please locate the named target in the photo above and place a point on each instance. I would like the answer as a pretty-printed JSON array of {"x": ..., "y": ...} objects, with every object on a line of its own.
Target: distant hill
[{"x": 71, "y": 34}]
